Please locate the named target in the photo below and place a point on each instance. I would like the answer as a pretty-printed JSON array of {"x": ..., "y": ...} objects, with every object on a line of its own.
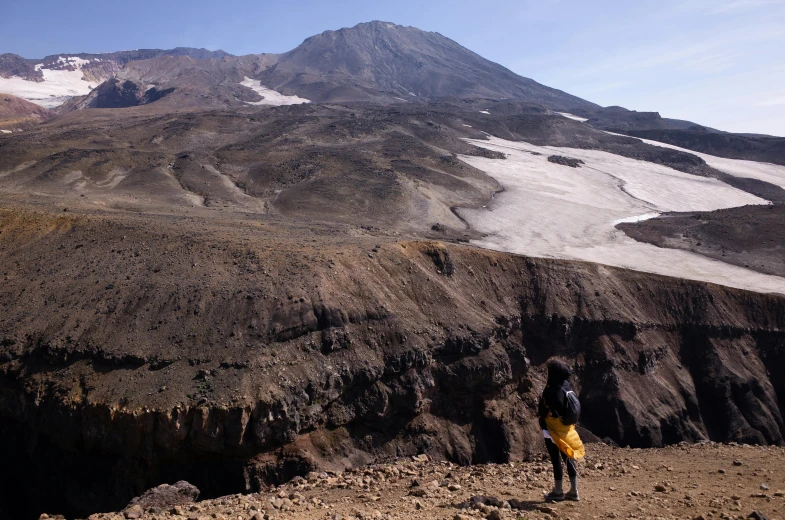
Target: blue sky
[{"x": 717, "y": 62}]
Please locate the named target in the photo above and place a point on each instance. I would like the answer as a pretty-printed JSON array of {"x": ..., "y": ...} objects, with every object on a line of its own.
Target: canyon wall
[{"x": 235, "y": 355}]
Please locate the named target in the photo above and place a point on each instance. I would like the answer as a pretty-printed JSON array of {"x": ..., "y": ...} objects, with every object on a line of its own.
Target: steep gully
[{"x": 417, "y": 347}]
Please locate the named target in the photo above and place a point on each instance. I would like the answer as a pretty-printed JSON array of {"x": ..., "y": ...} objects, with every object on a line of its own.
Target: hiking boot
[
  {"x": 555, "y": 496},
  {"x": 572, "y": 495}
]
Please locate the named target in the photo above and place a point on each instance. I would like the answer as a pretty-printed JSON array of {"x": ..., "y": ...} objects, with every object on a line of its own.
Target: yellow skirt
[{"x": 566, "y": 438}]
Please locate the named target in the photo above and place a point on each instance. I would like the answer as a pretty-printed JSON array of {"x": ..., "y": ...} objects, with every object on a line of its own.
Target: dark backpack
[{"x": 572, "y": 408}]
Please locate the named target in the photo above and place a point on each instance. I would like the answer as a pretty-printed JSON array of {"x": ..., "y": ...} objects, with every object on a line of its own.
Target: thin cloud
[
  {"x": 772, "y": 102},
  {"x": 740, "y": 5}
]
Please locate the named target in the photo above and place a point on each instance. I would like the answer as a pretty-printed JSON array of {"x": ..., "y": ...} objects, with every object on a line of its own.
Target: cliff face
[{"x": 151, "y": 349}]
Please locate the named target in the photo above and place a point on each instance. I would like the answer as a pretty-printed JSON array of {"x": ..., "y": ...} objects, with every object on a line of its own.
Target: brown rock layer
[{"x": 231, "y": 354}]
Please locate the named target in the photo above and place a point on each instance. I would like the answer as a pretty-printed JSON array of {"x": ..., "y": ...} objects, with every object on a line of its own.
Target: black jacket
[{"x": 553, "y": 400}]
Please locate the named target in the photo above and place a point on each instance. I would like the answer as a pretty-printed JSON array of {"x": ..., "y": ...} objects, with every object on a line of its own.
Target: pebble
[{"x": 434, "y": 491}]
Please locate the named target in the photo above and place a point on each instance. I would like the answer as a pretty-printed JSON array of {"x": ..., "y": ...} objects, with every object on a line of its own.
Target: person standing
[{"x": 558, "y": 412}]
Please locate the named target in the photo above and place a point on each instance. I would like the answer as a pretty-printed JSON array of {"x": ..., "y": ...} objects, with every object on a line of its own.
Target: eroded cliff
[{"x": 141, "y": 350}]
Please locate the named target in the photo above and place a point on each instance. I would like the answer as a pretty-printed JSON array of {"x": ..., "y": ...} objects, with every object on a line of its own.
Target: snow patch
[
  {"x": 5, "y": 131},
  {"x": 771, "y": 173},
  {"x": 468, "y": 126},
  {"x": 57, "y": 88},
  {"x": 74, "y": 61},
  {"x": 485, "y": 112},
  {"x": 270, "y": 96},
  {"x": 553, "y": 211},
  {"x": 573, "y": 117},
  {"x": 636, "y": 218}
]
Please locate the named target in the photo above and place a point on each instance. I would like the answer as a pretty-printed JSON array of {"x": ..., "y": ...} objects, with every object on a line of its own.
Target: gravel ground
[{"x": 705, "y": 481}]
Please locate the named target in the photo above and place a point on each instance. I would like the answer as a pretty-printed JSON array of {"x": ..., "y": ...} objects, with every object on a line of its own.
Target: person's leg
[
  {"x": 558, "y": 471},
  {"x": 572, "y": 472}
]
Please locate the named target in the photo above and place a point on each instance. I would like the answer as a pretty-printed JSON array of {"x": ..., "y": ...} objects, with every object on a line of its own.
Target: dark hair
[{"x": 558, "y": 371}]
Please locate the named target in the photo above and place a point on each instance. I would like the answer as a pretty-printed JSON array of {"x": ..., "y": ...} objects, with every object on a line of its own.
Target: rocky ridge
[{"x": 248, "y": 376}]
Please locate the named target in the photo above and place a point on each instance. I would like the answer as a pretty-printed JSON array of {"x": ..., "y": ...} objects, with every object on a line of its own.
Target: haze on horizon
[{"x": 716, "y": 62}]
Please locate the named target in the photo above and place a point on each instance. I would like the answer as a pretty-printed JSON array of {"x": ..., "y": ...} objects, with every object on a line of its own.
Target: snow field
[
  {"x": 58, "y": 86},
  {"x": 270, "y": 96},
  {"x": 771, "y": 173},
  {"x": 550, "y": 210},
  {"x": 572, "y": 116}
]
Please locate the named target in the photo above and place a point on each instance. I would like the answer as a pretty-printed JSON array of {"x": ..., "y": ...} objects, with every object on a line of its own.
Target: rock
[
  {"x": 454, "y": 487},
  {"x": 257, "y": 516},
  {"x": 764, "y": 487},
  {"x": 166, "y": 496},
  {"x": 418, "y": 505},
  {"x": 757, "y": 515},
  {"x": 565, "y": 161},
  {"x": 738, "y": 463},
  {"x": 721, "y": 471},
  {"x": 134, "y": 511},
  {"x": 461, "y": 517},
  {"x": 494, "y": 515},
  {"x": 660, "y": 488}
]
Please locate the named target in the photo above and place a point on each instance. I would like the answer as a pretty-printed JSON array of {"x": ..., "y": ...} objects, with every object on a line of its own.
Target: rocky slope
[
  {"x": 383, "y": 60},
  {"x": 18, "y": 114},
  {"x": 688, "y": 481},
  {"x": 748, "y": 236},
  {"x": 240, "y": 295},
  {"x": 733, "y": 146},
  {"x": 236, "y": 353},
  {"x": 377, "y": 61},
  {"x": 98, "y": 65}
]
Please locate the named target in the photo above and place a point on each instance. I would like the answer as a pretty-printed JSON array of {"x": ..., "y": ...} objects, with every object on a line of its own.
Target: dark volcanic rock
[
  {"x": 115, "y": 93},
  {"x": 749, "y": 236},
  {"x": 167, "y": 495},
  {"x": 733, "y": 146},
  {"x": 565, "y": 161},
  {"x": 227, "y": 381},
  {"x": 380, "y": 60}
]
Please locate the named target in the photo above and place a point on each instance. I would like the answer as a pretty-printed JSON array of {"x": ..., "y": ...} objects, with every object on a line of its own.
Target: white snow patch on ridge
[
  {"x": 572, "y": 116},
  {"x": 771, "y": 173},
  {"x": 74, "y": 61},
  {"x": 550, "y": 210},
  {"x": 57, "y": 88},
  {"x": 270, "y": 96}
]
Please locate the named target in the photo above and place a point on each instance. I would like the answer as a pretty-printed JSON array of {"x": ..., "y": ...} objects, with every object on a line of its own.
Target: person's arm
[{"x": 542, "y": 408}]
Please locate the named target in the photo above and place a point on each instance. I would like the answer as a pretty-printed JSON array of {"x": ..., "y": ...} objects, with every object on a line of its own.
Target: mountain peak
[{"x": 382, "y": 60}]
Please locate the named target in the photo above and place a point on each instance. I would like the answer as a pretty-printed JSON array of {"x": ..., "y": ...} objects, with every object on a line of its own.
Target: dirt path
[{"x": 708, "y": 481}]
